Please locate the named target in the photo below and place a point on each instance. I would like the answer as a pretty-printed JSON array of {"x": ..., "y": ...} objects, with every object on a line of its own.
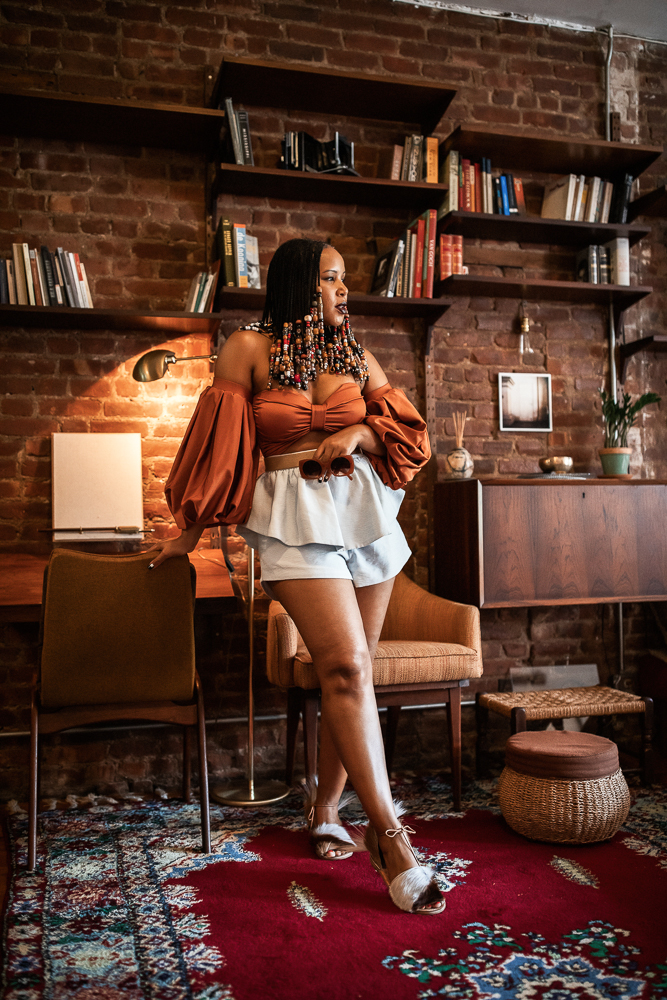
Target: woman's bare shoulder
[{"x": 242, "y": 351}]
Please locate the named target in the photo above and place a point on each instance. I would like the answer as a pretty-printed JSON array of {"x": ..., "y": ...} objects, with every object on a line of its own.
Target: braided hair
[{"x": 293, "y": 276}]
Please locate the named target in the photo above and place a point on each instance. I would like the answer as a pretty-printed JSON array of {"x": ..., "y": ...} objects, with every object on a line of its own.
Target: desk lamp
[{"x": 149, "y": 368}]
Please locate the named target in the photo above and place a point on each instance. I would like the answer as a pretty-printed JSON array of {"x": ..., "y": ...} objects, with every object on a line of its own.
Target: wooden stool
[
  {"x": 566, "y": 703},
  {"x": 563, "y": 787}
]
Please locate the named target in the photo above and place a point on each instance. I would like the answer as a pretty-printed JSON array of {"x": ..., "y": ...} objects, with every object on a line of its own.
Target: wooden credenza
[{"x": 526, "y": 542}]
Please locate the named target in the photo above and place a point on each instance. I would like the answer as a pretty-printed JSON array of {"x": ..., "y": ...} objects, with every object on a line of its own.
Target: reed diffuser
[{"x": 459, "y": 463}]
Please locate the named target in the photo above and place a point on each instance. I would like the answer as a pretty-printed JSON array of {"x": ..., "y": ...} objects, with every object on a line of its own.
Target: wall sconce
[
  {"x": 524, "y": 341},
  {"x": 155, "y": 364}
]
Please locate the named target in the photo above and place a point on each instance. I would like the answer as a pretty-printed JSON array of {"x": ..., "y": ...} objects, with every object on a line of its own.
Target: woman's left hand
[{"x": 345, "y": 441}]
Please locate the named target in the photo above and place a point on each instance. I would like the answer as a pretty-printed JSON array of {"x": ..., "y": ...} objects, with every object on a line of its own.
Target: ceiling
[{"x": 642, "y": 18}]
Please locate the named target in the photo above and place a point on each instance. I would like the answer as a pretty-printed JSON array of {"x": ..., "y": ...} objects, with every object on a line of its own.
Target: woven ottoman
[{"x": 563, "y": 787}]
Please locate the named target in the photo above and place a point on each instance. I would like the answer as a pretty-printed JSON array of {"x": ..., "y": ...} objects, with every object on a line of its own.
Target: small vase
[
  {"x": 459, "y": 464},
  {"x": 615, "y": 461}
]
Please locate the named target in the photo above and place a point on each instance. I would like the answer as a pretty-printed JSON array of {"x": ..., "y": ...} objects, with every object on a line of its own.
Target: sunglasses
[{"x": 341, "y": 466}]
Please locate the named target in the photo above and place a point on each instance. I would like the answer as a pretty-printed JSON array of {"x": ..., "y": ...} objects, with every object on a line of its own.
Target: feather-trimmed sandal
[
  {"x": 414, "y": 889},
  {"x": 325, "y": 837}
]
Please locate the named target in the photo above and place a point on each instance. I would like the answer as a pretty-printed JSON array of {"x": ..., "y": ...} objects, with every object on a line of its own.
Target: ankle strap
[{"x": 399, "y": 829}]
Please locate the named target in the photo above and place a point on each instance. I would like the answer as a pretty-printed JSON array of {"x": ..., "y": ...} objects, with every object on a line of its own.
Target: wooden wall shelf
[
  {"x": 622, "y": 296},
  {"x": 113, "y": 122},
  {"x": 326, "y": 91},
  {"x": 107, "y": 319},
  {"x": 360, "y": 305},
  {"x": 550, "y": 154},
  {"x": 655, "y": 344},
  {"x": 653, "y": 203},
  {"x": 531, "y": 229},
  {"x": 297, "y": 185}
]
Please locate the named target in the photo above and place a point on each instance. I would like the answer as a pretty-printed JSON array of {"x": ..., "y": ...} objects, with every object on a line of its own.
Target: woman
[{"x": 330, "y": 546}]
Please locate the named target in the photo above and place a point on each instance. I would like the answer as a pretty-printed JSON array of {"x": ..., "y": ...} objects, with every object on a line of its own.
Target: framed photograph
[{"x": 525, "y": 402}]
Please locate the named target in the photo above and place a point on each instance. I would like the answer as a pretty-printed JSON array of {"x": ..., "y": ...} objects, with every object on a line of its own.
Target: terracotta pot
[{"x": 615, "y": 461}]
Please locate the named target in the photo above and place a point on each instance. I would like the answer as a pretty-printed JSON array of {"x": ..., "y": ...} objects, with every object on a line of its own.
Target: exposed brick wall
[{"x": 137, "y": 217}]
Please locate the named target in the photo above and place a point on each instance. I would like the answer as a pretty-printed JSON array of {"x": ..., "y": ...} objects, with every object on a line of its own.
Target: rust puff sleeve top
[
  {"x": 403, "y": 433},
  {"x": 213, "y": 476}
]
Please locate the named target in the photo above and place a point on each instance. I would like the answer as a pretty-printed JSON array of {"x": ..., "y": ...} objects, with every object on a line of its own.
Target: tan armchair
[
  {"x": 117, "y": 643},
  {"x": 428, "y": 650}
]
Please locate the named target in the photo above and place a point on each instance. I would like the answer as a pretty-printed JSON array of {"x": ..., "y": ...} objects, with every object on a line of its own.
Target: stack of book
[
  {"x": 416, "y": 159},
  {"x": 407, "y": 268},
  {"x": 42, "y": 278},
  {"x": 576, "y": 198},
  {"x": 604, "y": 265},
  {"x": 450, "y": 255},
  {"x": 474, "y": 187},
  {"x": 238, "y": 253},
  {"x": 300, "y": 151}
]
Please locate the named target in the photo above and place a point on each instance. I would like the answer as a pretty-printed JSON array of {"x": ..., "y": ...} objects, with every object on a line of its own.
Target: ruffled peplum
[{"x": 344, "y": 513}]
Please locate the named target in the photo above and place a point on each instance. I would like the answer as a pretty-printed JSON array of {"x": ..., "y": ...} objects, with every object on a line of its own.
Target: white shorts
[{"x": 382, "y": 560}]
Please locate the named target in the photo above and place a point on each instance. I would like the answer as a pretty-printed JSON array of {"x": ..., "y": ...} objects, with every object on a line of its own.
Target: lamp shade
[{"x": 153, "y": 366}]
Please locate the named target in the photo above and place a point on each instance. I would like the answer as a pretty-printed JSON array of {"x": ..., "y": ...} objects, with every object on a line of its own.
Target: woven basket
[{"x": 564, "y": 812}]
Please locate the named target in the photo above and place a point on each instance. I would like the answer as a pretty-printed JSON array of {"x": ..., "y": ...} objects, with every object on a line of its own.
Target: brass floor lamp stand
[{"x": 251, "y": 794}]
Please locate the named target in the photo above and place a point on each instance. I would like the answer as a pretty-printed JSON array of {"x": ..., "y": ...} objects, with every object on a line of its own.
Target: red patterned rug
[{"x": 124, "y": 906}]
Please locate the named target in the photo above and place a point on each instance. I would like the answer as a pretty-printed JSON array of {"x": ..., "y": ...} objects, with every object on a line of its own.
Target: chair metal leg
[
  {"x": 34, "y": 782},
  {"x": 294, "y": 707},
  {"x": 647, "y": 742},
  {"x": 187, "y": 754},
  {"x": 482, "y": 743},
  {"x": 393, "y": 715},
  {"x": 454, "y": 726},
  {"x": 518, "y": 720},
  {"x": 203, "y": 771},
  {"x": 311, "y": 704}
]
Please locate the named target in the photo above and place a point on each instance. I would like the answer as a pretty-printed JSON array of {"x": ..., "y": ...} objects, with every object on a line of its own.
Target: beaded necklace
[{"x": 301, "y": 351}]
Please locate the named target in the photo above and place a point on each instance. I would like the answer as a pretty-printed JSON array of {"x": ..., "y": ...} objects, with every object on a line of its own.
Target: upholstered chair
[
  {"x": 117, "y": 643},
  {"x": 429, "y": 649}
]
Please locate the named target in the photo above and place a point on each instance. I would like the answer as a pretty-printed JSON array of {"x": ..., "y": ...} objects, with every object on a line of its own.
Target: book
[
  {"x": 418, "y": 227},
  {"x": 592, "y": 205},
  {"x": 504, "y": 195},
  {"x": 511, "y": 196},
  {"x": 86, "y": 300},
  {"x": 431, "y": 172},
  {"x": 606, "y": 201},
  {"x": 603, "y": 265},
  {"x": 497, "y": 196},
  {"x": 19, "y": 275},
  {"x": 41, "y": 274},
  {"x": 579, "y": 192},
  {"x": 252, "y": 261},
  {"x": 619, "y": 260},
  {"x": 11, "y": 283},
  {"x": 74, "y": 277},
  {"x": 61, "y": 291},
  {"x": 397, "y": 159},
  {"x": 240, "y": 264},
  {"x": 465, "y": 201},
  {"x": 621, "y": 199},
  {"x": 449, "y": 175},
  {"x": 84, "y": 278},
  {"x": 226, "y": 246},
  {"x": 192, "y": 293},
  {"x": 69, "y": 294},
  {"x": 519, "y": 196},
  {"x": 414, "y": 172},
  {"x": 413, "y": 257},
  {"x": 47, "y": 264},
  {"x": 587, "y": 265},
  {"x": 233, "y": 131},
  {"x": 4, "y": 287},
  {"x": 477, "y": 180},
  {"x": 37, "y": 292},
  {"x": 405, "y": 163},
  {"x": 202, "y": 279},
  {"x": 28, "y": 274},
  {"x": 428, "y": 272},
  {"x": 556, "y": 198},
  {"x": 396, "y": 267},
  {"x": 445, "y": 256},
  {"x": 244, "y": 133}
]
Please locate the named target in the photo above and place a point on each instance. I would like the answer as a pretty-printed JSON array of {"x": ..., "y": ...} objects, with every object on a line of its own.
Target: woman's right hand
[{"x": 179, "y": 546}]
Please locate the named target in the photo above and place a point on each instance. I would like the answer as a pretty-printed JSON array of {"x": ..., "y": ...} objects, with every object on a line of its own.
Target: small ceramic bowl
[{"x": 560, "y": 464}]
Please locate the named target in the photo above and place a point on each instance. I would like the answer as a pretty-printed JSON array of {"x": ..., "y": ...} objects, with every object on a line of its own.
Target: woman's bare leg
[
  {"x": 332, "y": 619},
  {"x": 372, "y": 602}
]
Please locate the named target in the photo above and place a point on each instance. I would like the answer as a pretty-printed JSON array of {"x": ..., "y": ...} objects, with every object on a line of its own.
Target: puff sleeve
[
  {"x": 213, "y": 476},
  {"x": 402, "y": 431}
]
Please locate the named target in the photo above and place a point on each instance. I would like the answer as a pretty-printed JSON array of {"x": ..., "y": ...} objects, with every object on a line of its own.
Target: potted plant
[{"x": 618, "y": 416}]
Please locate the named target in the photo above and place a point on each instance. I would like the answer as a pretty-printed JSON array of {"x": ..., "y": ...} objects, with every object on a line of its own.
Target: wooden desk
[
  {"x": 21, "y": 577},
  {"x": 528, "y": 542}
]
